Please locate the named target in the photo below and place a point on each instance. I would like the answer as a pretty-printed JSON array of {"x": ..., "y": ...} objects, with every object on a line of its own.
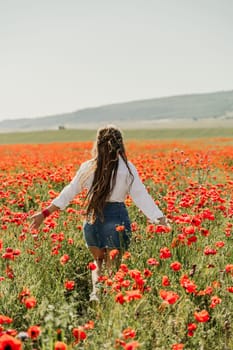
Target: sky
[{"x": 64, "y": 55}]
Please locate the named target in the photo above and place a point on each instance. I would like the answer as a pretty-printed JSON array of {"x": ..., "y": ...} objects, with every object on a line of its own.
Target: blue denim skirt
[{"x": 104, "y": 234}]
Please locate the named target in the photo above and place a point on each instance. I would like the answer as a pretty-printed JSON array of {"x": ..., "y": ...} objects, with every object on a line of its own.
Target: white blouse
[{"x": 122, "y": 188}]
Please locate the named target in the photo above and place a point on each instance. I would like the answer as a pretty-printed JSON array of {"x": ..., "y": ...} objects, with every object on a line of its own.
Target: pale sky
[{"x": 63, "y": 55}]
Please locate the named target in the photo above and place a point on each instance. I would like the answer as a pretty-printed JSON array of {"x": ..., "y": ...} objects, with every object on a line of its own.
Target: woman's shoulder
[
  {"x": 129, "y": 163},
  {"x": 88, "y": 164}
]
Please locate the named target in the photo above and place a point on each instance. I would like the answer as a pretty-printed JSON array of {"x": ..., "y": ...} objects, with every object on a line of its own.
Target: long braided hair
[{"x": 107, "y": 149}]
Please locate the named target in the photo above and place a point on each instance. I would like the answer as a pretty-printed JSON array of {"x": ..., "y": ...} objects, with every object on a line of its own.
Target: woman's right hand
[
  {"x": 37, "y": 220},
  {"x": 163, "y": 221}
]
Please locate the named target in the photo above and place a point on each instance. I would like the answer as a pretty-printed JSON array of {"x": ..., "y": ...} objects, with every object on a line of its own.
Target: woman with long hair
[{"x": 108, "y": 177}]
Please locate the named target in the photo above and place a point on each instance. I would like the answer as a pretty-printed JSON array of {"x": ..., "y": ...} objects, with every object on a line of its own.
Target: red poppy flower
[
  {"x": 169, "y": 296},
  {"x": 89, "y": 325},
  {"x": 128, "y": 333},
  {"x": 132, "y": 295},
  {"x": 79, "y": 334},
  {"x": 134, "y": 226},
  {"x": 219, "y": 244},
  {"x": 64, "y": 259},
  {"x": 147, "y": 273},
  {"x": 113, "y": 253},
  {"x": 59, "y": 345},
  {"x": 131, "y": 346},
  {"x": 176, "y": 266},
  {"x": 120, "y": 228},
  {"x": 189, "y": 230},
  {"x": 202, "y": 316},
  {"x": 7, "y": 342},
  {"x": 178, "y": 346},
  {"x": 215, "y": 300},
  {"x": 152, "y": 262},
  {"x": 126, "y": 256},
  {"x": 229, "y": 268},
  {"x": 69, "y": 285},
  {"x": 209, "y": 251},
  {"x": 5, "y": 319},
  {"x": 34, "y": 332},
  {"x": 29, "y": 302},
  {"x": 92, "y": 266},
  {"x": 165, "y": 281},
  {"x": 165, "y": 253},
  {"x": 120, "y": 298}
]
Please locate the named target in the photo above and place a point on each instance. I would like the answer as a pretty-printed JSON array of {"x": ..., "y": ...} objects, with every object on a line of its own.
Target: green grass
[{"x": 74, "y": 135}]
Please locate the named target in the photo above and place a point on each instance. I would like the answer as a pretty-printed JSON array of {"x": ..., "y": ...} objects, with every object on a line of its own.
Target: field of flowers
[{"x": 174, "y": 287}]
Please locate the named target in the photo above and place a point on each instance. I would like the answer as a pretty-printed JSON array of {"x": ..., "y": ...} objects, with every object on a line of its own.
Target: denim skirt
[{"x": 106, "y": 233}]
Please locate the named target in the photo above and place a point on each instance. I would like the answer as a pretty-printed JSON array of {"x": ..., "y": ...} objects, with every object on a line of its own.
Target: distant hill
[{"x": 188, "y": 107}]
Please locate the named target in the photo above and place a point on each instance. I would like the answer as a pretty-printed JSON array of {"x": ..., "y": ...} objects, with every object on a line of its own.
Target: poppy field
[{"x": 173, "y": 288}]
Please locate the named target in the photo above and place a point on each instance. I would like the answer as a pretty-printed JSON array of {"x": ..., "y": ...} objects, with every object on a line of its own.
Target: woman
[{"x": 109, "y": 177}]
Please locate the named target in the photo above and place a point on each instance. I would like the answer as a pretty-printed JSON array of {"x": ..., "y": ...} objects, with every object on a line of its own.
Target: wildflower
[
  {"x": 176, "y": 266},
  {"x": 124, "y": 268},
  {"x": 206, "y": 291},
  {"x": 125, "y": 284},
  {"x": 178, "y": 346},
  {"x": 165, "y": 253},
  {"x": 25, "y": 293},
  {"x": 169, "y": 296},
  {"x": 134, "y": 226},
  {"x": 191, "y": 240},
  {"x": 59, "y": 345},
  {"x": 219, "y": 244},
  {"x": 69, "y": 285},
  {"x": 119, "y": 342},
  {"x": 34, "y": 332},
  {"x": 191, "y": 328},
  {"x": 7, "y": 342},
  {"x": 207, "y": 214},
  {"x": 165, "y": 281},
  {"x": 152, "y": 262},
  {"x": 64, "y": 259},
  {"x": 209, "y": 251},
  {"x": 29, "y": 302},
  {"x": 128, "y": 333},
  {"x": 132, "y": 345},
  {"x": 189, "y": 285},
  {"x": 189, "y": 230},
  {"x": 120, "y": 228},
  {"x": 79, "y": 334},
  {"x": 89, "y": 325},
  {"x": 113, "y": 253},
  {"x": 147, "y": 273},
  {"x": 204, "y": 231},
  {"x": 202, "y": 316},
  {"x": 132, "y": 295},
  {"x": 215, "y": 300},
  {"x": 162, "y": 229},
  {"x": 229, "y": 268},
  {"x": 70, "y": 241},
  {"x": 5, "y": 319},
  {"x": 230, "y": 289},
  {"x": 126, "y": 256},
  {"x": 92, "y": 266},
  {"x": 119, "y": 298}
]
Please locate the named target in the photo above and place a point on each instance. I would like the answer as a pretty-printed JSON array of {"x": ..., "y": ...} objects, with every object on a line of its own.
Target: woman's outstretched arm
[{"x": 38, "y": 218}]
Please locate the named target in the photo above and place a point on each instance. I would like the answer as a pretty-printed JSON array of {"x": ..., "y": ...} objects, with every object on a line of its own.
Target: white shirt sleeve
[
  {"x": 71, "y": 190},
  {"x": 142, "y": 198}
]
